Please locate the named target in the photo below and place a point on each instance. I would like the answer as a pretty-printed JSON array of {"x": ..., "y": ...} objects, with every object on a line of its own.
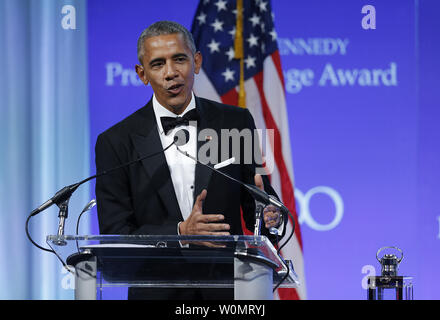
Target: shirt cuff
[
  {"x": 178, "y": 233},
  {"x": 281, "y": 227}
]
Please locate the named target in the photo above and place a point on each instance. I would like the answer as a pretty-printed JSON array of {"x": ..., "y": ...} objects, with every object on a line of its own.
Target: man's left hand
[{"x": 272, "y": 215}]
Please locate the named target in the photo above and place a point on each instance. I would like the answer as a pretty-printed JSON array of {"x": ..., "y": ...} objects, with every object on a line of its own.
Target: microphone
[
  {"x": 59, "y": 197},
  {"x": 65, "y": 193},
  {"x": 62, "y": 197},
  {"x": 88, "y": 207},
  {"x": 181, "y": 138}
]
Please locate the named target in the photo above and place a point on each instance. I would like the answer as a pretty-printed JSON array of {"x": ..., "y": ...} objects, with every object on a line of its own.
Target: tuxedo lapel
[
  {"x": 210, "y": 118},
  {"x": 146, "y": 141}
]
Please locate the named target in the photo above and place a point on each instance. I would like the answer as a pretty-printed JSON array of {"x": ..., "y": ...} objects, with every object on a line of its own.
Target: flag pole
[{"x": 239, "y": 52}]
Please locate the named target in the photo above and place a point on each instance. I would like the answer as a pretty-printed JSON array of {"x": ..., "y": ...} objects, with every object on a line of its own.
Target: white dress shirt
[{"x": 182, "y": 168}]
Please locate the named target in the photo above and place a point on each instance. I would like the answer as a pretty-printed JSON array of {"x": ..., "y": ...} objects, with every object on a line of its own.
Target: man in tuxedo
[{"x": 168, "y": 193}]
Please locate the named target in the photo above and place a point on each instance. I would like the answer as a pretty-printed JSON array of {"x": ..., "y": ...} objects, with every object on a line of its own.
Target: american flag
[{"x": 215, "y": 29}]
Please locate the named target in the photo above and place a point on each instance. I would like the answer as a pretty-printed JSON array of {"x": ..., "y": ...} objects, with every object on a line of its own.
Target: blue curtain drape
[{"x": 44, "y": 139}]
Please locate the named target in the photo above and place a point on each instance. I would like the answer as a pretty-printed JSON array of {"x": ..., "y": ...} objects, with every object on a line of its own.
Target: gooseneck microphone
[
  {"x": 62, "y": 197},
  {"x": 66, "y": 192}
]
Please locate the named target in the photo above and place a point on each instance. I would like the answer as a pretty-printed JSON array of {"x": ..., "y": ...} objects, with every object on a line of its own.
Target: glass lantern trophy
[{"x": 389, "y": 285}]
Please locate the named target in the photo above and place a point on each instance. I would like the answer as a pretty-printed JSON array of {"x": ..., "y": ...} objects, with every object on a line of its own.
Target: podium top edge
[{"x": 107, "y": 237}]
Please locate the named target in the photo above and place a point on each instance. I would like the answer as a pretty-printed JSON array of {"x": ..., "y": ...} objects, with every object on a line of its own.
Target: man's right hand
[{"x": 203, "y": 224}]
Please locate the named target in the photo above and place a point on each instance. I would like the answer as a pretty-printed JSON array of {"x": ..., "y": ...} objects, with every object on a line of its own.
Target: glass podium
[{"x": 249, "y": 264}]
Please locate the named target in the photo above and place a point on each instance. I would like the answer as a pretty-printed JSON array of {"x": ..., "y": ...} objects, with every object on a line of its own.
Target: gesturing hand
[
  {"x": 272, "y": 215},
  {"x": 203, "y": 224}
]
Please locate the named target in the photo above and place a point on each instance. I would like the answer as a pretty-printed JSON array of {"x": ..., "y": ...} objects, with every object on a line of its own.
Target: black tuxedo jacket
[{"x": 140, "y": 198}]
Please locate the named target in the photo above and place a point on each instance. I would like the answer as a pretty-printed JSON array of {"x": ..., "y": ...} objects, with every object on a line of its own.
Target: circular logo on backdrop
[{"x": 307, "y": 216}]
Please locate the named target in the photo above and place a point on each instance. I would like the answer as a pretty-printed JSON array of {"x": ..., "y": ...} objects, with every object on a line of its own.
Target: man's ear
[
  {"x": 141, "y": 73},
  {"x": 197, "y": 62}
]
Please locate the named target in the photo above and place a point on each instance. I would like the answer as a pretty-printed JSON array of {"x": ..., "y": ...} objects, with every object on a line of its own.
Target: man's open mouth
[{"x": 175, "y": 89}]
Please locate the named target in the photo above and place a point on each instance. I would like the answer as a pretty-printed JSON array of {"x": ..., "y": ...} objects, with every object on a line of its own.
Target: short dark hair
[{"x": 163, "y": 28}]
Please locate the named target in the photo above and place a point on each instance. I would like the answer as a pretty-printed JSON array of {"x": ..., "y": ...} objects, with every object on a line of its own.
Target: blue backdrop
[
  {"x": 362, "y": 147},
  {"x": 363, "y": 112}
]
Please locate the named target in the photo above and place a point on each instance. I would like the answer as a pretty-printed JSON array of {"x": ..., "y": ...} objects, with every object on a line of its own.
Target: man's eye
[{"x": 181, "y": 59}]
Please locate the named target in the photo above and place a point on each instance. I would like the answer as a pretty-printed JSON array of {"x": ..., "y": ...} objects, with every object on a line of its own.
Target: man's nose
[{"x": 170, "y": 71}]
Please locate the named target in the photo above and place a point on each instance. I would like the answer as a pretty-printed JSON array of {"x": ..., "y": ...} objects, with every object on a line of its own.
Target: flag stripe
[
  {"x": 274, "y": 92},
  {"x": 277, "y": 61},
  {"x": 231, "y": 97}
]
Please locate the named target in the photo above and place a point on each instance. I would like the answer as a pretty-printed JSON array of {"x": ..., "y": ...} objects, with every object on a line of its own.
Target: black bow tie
[{"x": 169, "y": 123}]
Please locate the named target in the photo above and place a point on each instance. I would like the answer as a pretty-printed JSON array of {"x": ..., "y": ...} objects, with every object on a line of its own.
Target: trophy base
[{"x": 390, "y": 288}]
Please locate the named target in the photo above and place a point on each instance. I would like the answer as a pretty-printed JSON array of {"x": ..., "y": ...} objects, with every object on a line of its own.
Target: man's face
[{"x": 169, "y": 66}]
